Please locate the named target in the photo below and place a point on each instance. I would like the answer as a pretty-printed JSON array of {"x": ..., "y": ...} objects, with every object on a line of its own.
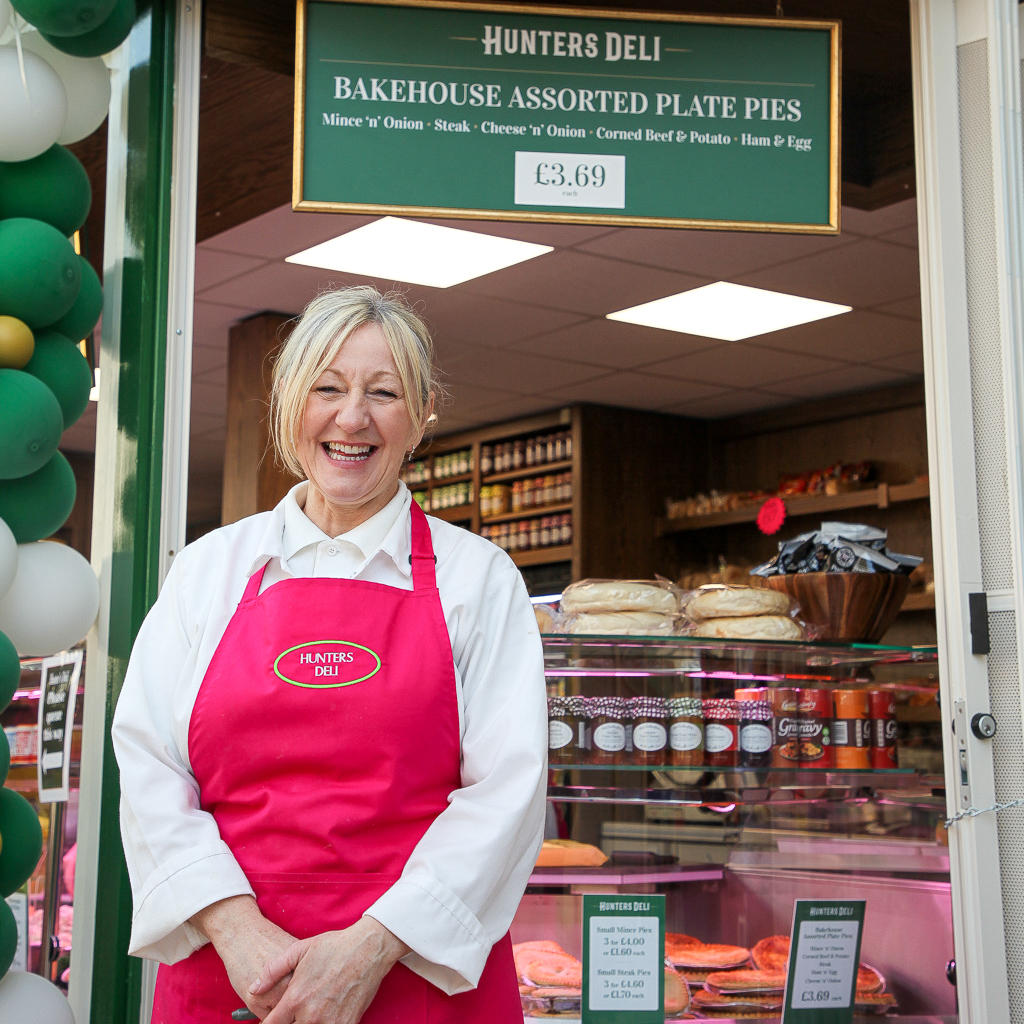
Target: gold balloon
[{"x": 16, "y": 343}]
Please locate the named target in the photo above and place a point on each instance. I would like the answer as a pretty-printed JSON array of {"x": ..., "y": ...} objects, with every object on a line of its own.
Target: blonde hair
[{"x": 324, "y": 327}]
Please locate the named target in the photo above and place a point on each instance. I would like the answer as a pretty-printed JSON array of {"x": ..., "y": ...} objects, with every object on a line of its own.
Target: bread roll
[
  {"x": 751, "y": 627},
  {"x": 624, "y": 623},
  {"x": 720, "y": 602},
  {"x": 545, "y": 618},
  {"x": 618, "y": 596}
]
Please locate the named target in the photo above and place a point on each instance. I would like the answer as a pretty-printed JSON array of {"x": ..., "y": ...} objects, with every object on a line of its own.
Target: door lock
[{"x": 983, "y": 726}]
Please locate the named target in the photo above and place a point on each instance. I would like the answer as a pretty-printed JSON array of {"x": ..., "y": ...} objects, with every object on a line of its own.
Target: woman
[{"x": 331, "y": 734}]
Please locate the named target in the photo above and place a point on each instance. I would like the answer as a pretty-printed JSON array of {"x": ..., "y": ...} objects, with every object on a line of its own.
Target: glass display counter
[
  {"x": 46, "y": 903},
  {"x": 828, "y": 784}
]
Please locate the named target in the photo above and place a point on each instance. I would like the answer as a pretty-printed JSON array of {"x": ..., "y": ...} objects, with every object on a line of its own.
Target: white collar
[{"x": 289, "y": 530}]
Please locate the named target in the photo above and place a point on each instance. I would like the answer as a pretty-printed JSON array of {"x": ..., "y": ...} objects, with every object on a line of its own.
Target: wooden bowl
[{"x": 846, "y": 606}]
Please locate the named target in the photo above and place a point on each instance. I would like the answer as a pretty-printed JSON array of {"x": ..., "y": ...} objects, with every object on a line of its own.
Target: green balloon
[
  {"x": 8, "y": 938},
  {"x": 77, "y": 323},
  {"x": 38, "y": 505},
  {"x": 52, "y": 187},
  {"x": 57, "y": 362},
  {"x": 10, "y": 672},
  {"x": 39, "y": 272},
  {"x": 30, "y": 424},
  {"x": 22, "y": 841},
  {"x": 64, "y": 17},
  {"x": 102, "y": 39}
]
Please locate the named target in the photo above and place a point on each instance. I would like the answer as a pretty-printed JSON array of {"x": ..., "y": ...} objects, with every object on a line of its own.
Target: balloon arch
[{"x": 54, "y": 91}]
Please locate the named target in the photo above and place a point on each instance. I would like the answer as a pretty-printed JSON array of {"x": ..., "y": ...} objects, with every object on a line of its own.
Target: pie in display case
[{"x": 735, "y": 778}]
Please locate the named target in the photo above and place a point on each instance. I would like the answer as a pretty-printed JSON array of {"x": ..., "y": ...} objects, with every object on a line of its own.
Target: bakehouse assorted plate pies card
[
  {"x": 58, "y": 692},
  {"x": 623, "y": 959},
  {"x": 824, "y": 945}
]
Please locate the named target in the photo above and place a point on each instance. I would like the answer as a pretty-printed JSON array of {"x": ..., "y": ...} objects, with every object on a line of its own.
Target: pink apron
[{"x": 325, "y": 741}]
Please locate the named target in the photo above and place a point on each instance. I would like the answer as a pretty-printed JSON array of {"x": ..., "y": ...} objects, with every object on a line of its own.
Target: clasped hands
[{"x": 330, "y": 978}]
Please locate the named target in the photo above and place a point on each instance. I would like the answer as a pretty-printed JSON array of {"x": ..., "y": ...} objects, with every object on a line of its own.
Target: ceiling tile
[
  {"x": 902, "y": 236},
  {"x": 732, "y": 403},
  {"x": 860, "y": 336},
  {"x": 211, "y": 322},
  {"x": 558, "y": 235},
  {"x": 518, "y": 372},
  {"x": 464, "y": 399},
  {"x": 836, "y": 382},
  {"x": 862, "y": 274},
  {"x": 206, "y": 358},
  {"x": 635, "y": 390},
  {"x": 715, "y": 254},
  {"x": 903, "y": 307},
  {"x": 570, "y": 280},
  {"x": 877, "y": 222},
  {"x": 213, "y": 266},
  {"x": 909, "y": 362},
  {"x": 611, "y": 343},
  {"x": 510, "y": 409},
  {"x": 282, "y": 232},
  {"x": 736, "y": 364},
  {"x": 458, "y": 315}
]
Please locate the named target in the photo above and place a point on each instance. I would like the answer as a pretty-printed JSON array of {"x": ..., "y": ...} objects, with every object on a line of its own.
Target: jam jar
[
  {"x": 685, "y": 730},
  {"x": 650, "y": 732},
  {"x": 721, "y": 733},
  {"x": 608, "y": 718},
  {"x": 563, "y": 731},
  {"x": 755, "y": 733}
]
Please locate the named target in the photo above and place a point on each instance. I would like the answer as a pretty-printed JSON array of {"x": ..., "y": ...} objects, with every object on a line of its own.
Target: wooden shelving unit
[
  {"x": 544, "y": 469},
  {"x": 881, "y": 496},
  {"x": 543, "y": 556},
  {"x": 528, "y": 513}
]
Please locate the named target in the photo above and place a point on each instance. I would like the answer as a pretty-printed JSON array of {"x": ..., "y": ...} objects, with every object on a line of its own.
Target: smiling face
[{"x": 355, "y": 433}]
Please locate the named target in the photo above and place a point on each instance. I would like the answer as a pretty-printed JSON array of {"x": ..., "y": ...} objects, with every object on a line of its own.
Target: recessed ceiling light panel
[
  {"x": 417, "y": 253},
  {"x": 729, "y": 312}
]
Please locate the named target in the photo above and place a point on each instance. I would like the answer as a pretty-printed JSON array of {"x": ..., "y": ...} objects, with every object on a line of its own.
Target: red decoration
[{"x": 771, "y": 515}]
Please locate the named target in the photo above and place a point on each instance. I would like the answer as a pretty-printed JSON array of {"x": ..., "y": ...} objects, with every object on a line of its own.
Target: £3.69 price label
[
  {"x": 570, "y": 179},
  {"x": 625, "y": 963}
]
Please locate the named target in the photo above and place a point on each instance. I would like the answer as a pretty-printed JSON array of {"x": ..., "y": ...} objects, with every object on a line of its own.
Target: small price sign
[
  {"x": 623, "y": 959},
  {"x": 58, "y": 693},
  {"x": 821, "y": 982},
  {"x": 570, "y": 179}
]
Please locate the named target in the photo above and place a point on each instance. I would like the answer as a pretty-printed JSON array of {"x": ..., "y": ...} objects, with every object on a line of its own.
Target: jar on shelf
[
  {"x": 851, "y": 729},
  {"x": 721, "y": 733},
  {"x": 549, "y": 443},
  {"x": 534, "y": 533},
  {"x": 650, "y": 732},
  {"x": 523, "y": 530},
  {"x": 545, "y": 531},
  {"x": 565, "y": 528},
  {"x": 563, "y": 730},
  {"x": 518, "y": 454},
  {"x": 549, "y": 490},
  {"x": 486, "y": 459},
  {"x": 530, "y": 455},
  {"x": 755, "y": 733},
  {"x": 560, "y": 446},
  {"x": 685, "y": 730},
  {"x": 506, "y": 456},
  {"x": 465, "y": 460},
  {"x": 527, "y": 494},
  {"x": 608, "y": 718},
  {"x": 517, "y": 496}
]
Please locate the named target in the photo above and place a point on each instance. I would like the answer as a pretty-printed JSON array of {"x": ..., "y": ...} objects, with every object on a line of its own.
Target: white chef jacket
[{"x": 464, "y": 879}]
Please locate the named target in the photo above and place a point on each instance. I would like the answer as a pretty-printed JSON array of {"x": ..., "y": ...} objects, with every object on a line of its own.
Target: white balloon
[
  {"x": 5, "y": 15},
  {"x": 29, "y": 999},
  {"x": 30, "y": 123},
  {"x": 86, "y": 83},
  {"x": 8, "y": 558},
  {"x": 52, "y": 602}
]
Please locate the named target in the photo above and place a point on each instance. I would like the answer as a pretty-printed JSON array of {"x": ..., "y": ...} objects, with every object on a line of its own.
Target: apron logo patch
[{"x": 323, "y": 664}]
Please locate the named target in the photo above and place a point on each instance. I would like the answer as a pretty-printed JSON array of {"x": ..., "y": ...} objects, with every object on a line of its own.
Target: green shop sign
[{"x": 553, "y": 114}]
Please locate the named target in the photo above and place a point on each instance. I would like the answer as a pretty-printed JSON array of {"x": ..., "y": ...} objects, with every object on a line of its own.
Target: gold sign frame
[{"x": 832, "y": 26}]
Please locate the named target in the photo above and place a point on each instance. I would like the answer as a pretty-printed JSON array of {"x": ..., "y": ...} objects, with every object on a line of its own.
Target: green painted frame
[{"x": 133, "y": 349}]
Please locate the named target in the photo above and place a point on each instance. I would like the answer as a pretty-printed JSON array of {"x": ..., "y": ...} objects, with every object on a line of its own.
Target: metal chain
[{"x": 973, "y": 812}]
